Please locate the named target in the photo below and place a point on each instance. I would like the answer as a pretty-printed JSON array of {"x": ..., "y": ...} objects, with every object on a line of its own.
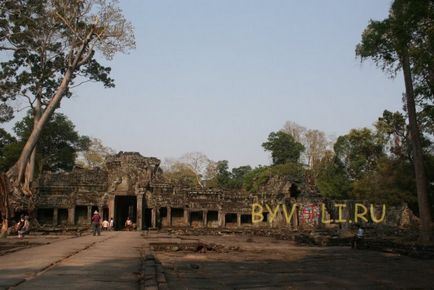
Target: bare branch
[{"x": 83, "y": 82}]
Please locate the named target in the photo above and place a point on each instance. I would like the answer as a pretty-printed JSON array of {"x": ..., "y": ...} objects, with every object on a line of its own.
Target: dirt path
[
  {"x": 265, "y": 263},
  {"x": 110, "y": 261}
]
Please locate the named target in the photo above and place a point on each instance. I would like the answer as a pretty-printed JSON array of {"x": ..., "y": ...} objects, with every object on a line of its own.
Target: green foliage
[
  {"x": 56, "y": 149},
  {"x": 259, "y": 176},
  {"x": 358, "y": 152},
  {"x": 223, "y": 176},
  {"x": 230, "y": 179},
  {"x": 332, "y": 181},
  {"x": 7, "y": 150},
  {"x": 392, "y": 130},
  {"x": 6, "y": 112},
  {"x": 39, "y": 59},
  {"x": 283, "y": 147},
  {"x": 392, "y": 182},
  {"x": 255, "y": 178},
  {"x": 238, "y": 174}
]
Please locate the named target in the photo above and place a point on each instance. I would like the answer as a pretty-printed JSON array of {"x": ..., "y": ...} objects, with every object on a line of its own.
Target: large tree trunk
[
  {"x": 17, "y": 172},
  {"x": 5, "y": 191},
  {"x": 30, "y": 168},
  {"x": 421, "y": 180}
]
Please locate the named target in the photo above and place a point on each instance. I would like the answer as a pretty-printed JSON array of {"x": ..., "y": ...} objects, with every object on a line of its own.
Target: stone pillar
[
  {"x": 154, "y": 217},
  {"x": 169, "y": 216},
  {"x": 186, "y": 217},
  {"x": 139, "y": 215},
  {"x": 239, "y": 219},
  {"x": 55, "y": 216},
  {"x": 89, "y": 212},
  {"x": 222, "y": 220},
  {"x": 111, "y": 206},
  {"x": 71, "y": 215},
  {"x": 205, "y": 218},
  {"x": 295, "y": 219}
]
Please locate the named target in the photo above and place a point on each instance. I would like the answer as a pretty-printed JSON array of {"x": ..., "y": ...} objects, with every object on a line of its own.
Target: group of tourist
[
  {"x": 23, "y": 226},
  {"x": 98, "y": 222}
]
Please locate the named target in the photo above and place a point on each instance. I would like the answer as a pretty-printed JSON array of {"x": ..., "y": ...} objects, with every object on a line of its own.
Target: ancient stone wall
[{"x": 73, "y": 196}]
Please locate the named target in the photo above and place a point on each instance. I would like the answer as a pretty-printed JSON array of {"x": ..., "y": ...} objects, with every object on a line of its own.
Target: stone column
[
  {"x": 111, "y": 206},
  {"x": 222, "y": 220},
  {"x": 169, "y": 216},
  {"x": 55, "y": 216},
  {"x": 239, "y": 219},
  {"x": 154, "y": 217},
  {"x": 71, "y": 215},
  {"x": 139, "y": 215},
  {"x": 295, "y": 219},
  {"x": 89, "y": 213},
  {"x": 186, "y": 216},
  {"x": 205, "y": 218}
]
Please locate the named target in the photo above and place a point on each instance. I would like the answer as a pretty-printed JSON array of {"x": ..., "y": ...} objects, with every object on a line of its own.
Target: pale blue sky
[{"x": 219, "y": 76}]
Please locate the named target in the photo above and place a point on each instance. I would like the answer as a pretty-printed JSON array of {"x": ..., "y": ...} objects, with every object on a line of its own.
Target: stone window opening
[
  {"x": 45, "y": 216},
  {"x": 196, "y": 218},
  {"x": 231, "y": 219},
  {"x": 246, "y": 219},
  {"x": 177, "y": 216},
  {"x": 212, "y": 218}
]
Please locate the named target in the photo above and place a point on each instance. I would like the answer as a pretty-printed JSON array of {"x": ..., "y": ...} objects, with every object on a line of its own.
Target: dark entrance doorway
[
  {"x": 147, "y": 218},
  {"x": 125, "y": 206}
]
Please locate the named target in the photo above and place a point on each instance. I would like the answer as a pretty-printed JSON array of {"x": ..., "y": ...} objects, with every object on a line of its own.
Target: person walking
[
  {"x": 358, "y": 237},
  {"x": 112, "y": 224},
  {"x": 96, "y": 223}
]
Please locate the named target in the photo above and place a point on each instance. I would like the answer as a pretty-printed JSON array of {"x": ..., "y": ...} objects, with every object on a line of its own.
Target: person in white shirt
[
  {"x": 105, "y": 225},
  {"x": 358, "y": 237},
  {"x": 112, "y": 224}
]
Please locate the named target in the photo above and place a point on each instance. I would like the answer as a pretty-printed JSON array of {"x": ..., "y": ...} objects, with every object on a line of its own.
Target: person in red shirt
[{"x": 96, "y": 223}]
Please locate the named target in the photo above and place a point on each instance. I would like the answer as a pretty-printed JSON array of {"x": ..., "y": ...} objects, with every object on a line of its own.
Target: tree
[
  {"x": 231, "y": 179},
  {"x": 332, "y": 180},
  {"x": 58, "y": 144},
  {"x": 6, "y": 113},
  {"x": 283, "y": 147},
  {"x": 403, "y": 41},
  {"x": 295, "y": 130},
  {"x": 201, "y": 165},
  {"x": 36, "y": 67},
  {"x": 95, "y": 154},
  {"x": 254, "y": 179},
  {"x": 238, "y": 174},
  {"x": 57, "y": 147},
  {"x": 7, "y": 158},
  {"x": 358, "y": 152},
  {"x": 316, "y": 148},
  {"x": 223, "y": 174},
  {"x": 392, "y": 129},
  {"x": 314, "y": 141},
  {"x": 179, "y": 174},
  {"x": 54, "y": 43},
  {"x": 391, "y": 182}
]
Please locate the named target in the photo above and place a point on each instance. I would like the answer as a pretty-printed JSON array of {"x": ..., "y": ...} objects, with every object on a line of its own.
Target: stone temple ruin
[{"x": 132, "y": 186}]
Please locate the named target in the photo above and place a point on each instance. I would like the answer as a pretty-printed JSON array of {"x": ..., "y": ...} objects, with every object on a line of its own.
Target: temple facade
[{"x": 132, "y": 186}]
